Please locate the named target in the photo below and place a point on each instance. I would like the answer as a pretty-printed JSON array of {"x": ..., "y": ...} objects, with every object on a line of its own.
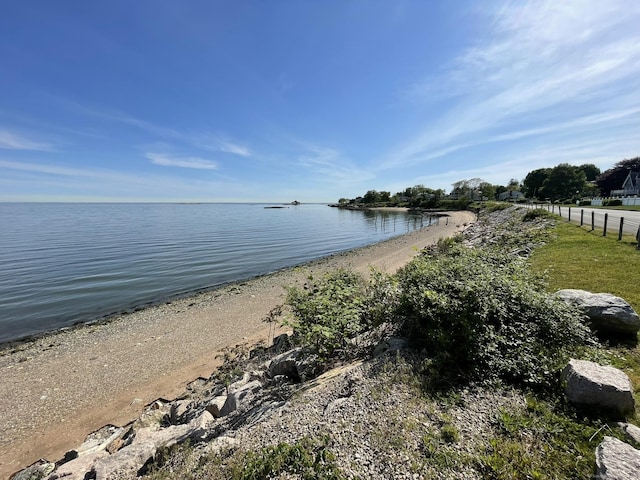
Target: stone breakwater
[{"x": 58, "y": 388}]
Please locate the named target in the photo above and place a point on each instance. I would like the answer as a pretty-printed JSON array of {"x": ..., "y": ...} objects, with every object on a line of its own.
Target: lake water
[{"x": 62, "y": 263}]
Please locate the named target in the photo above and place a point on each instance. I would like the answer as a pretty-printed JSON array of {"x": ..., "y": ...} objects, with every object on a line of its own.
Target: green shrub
[
  {"x": 308, "y": 458},
  {"x": 329, "y": 311},
  {"x": 482, "y": 314},
  {"x": 614, "y": 202},
  {"x": 536, "y": 213},
  {"x": 583, "y": 203},
  {"x": 495, "y": 206}
]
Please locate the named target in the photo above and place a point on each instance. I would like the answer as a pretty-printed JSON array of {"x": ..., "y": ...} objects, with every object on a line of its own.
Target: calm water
[{"x": 67, "y": 263}]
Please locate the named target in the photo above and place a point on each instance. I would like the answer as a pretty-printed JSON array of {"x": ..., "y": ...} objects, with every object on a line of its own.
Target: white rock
[
  {"x": 607, "y": 313},
  {"x": 616, "y": 460},
  {"x": 600, "y": 386}
]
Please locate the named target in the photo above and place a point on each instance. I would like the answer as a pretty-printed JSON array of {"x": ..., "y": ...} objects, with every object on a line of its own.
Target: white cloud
[
  {"x": 11, "y": 141},
  {"x": 183, "y": 162},
  {"x": 220, "y": 143},
  {"x": 544, "y": 67},
  {"x": 330, "y": 165}
]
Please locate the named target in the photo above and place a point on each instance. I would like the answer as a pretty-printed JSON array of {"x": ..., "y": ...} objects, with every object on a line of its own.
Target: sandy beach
[{"x": 58, "y": 388}]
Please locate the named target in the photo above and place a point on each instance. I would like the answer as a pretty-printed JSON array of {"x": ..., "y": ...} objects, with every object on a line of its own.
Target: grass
[
  {"x": 542, "y": 441},
  {"x": 578, "y": 258}
]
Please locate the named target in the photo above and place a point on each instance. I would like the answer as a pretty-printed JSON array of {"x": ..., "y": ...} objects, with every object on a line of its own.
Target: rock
[
  {"x": 178, "y": 409},
  {"x": 78, "y": 468},
  {"x": 281, "y": 343},
  {"x": 631, "y": 431},
  {"x": 35, "y": 471},
  {"x": 299, "y": 364},
  {"x": 152, "y": 418},
  {"x": 286, "y": 364},
  {"x": 215, "y": 406},
  {"x": 237, "y": 398},
  {"x": 607, "y": 313},
  {"x": 145, "y": 445},
  {"x": 221, "y": 444},
  {"x": 100, "y": 440},
  {"x": 391, "y": 344},
  {"x": 616, "y": 460},
  {"x": 599, "y": 386}
]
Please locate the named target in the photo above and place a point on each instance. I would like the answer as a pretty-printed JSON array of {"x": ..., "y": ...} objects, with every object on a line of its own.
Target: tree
[
  {"x": 565, "y": 181},
  {"x": 513, "y": 185},
  {"x": 487, "y": 190},
  {"x": 533, "y": 182},
  {"x": 613, "y": 178},
  {"x": 590, "y": 171},
  {"x": 372, "y": 196}
]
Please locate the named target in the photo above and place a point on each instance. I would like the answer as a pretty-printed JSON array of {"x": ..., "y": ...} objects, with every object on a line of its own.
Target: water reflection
[{"x": 386, "y": 221}]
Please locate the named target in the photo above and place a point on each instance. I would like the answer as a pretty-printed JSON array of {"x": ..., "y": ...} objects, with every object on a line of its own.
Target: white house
[
  {"x": 510, "y": 196},
  {"x": 630, "y": 187}
]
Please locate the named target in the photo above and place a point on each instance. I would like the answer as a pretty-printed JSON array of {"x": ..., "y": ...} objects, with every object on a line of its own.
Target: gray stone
[
  {"x": 215, "y": 406},
  {"x": 100, "y": 440},
  {"x": 78, "y": 468},
  {"x": 631, "y": 431},
  {"x": 391, "y": 344},
  {"x": 286, "y": 364},
  {"x": 297, "y": 364},
  {"x": 281, "y": 343},
  {"x": 178, "y": 409},
  {"x": 599, "y": 386},
  {"x": 35, "y": 471},
  {"x": 607, "y": 313},
  {"x": 616, "y": 460},
  {"x": 145, "y": 445},
  {"x": 240, "y": 396}
]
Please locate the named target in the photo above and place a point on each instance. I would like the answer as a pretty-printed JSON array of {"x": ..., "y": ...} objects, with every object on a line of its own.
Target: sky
[{"x": 282, "y": 100}]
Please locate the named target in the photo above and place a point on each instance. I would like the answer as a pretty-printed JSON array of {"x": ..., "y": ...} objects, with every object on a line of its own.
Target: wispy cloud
[
  {"x": 183, "y": 162},
  {"x": 538, "y": 62},
  {"x": 330, "y": 165},
  {"x": 12, "y": 141},
  {"x": 219, "y": 143}
]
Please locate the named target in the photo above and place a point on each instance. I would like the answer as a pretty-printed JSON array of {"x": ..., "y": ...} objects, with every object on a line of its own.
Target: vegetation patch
[
  {"x": 484, "y": 315},
  {"x": 544, "y": 441}
]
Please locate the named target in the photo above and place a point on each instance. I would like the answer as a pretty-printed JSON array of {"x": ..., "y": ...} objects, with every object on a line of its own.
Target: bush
[
  {"x": 583, "y": 203},
  {"x": 481, "y": 314},
  {"x": 329, "y": 311},
  {"x": 536, "y": 213},
  {"x": 614, "y": 202}
]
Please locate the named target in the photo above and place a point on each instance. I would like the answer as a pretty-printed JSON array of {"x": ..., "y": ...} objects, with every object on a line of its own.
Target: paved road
[{"x": 630, "y": 224}]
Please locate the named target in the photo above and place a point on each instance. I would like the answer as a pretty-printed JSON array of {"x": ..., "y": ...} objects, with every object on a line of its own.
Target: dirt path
[{"x": 59, "y": 388}]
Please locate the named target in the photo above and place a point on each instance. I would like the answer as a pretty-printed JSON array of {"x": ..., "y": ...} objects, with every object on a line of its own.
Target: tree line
[{"x": 564, "y": 182}]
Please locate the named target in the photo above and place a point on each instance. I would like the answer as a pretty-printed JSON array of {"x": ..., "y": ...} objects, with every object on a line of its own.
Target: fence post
[
  {"x": 569, "y": 213},
  {"x": 606, "y": 218},
  {"x": 581, "y": 216},
  {"x": 638, "y": 238},
  {"x": 559, "y": 212},
  {"x": 620, "y": 229},
  {"x": 593, "y": 221}
]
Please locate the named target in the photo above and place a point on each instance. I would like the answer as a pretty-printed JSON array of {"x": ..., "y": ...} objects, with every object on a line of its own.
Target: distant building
[
  {"x": 510, "y": 196},
  {"x": 630, "y": 187}
]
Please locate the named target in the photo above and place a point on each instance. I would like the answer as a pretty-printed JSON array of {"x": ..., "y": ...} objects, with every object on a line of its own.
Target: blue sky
[{"x": 309, "y": 100}]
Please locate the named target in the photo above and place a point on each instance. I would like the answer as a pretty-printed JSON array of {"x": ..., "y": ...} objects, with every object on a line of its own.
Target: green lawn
[{"x": 578, "y": 258}]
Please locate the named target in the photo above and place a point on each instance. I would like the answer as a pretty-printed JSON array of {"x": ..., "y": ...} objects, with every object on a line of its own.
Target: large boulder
[
  {"x": 616, "y": 460},
  {"x": 299, "y": 364},
  {"x": 607, "y": 313},
  {"x": 605, "y": 387}
]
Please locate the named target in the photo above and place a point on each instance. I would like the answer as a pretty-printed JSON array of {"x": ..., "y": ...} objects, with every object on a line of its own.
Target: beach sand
[{"x": 57, "y": 389}]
